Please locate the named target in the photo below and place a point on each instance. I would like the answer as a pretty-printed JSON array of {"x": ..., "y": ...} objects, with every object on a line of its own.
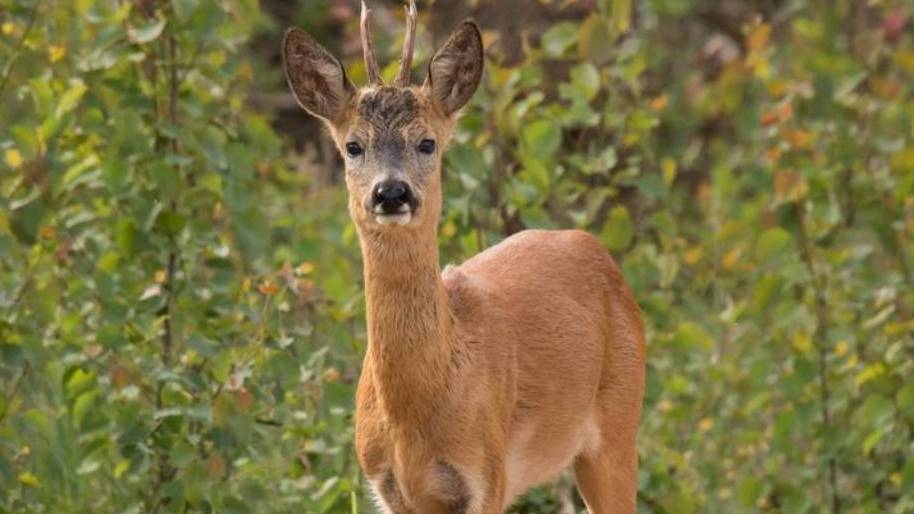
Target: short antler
[
  {"x": 371, "y": 63},
  {"x": 406, "y": 58}
]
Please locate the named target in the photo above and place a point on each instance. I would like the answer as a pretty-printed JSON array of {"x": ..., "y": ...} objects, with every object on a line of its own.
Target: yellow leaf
[
  {"x": 660, "y": 103},
  {"x": 705, "y": 424},
  {"x": 8, "y": 28},
  {"x": 777, "y": 88},
  {"x": 122, "y": 466},
  {"x": 802, "y": 342},
  {"x": 730, "y": 258},
  {"x": 693, "y": 255},
  {"x": 760, "y": 65},
  {"x": 267, "y": 288},
  {"x": 621, "y": 15},
  {"x": 669, "y": 170},
  {"x": 903, "y": 160},
  {"x": 895, "y": 478},
  {"x": 13, "y": 158},
  {"x": 840, "y": 348},
  {"x": 869, "y": 373},
  {"x": 159, "y": 277},
  {"x": 758, "y": 37},
  {"x": 448, "y": 230},
  {"x": 305, "y": 268},
  {"x": 246, "y": 285},
  {"x": 27, "y": 478},
  {"x": 665, "y": 405},
  {"x": 56, "y": 53},
  {"x": 789, "y": 186},
  {"x": 798, "y": 138}
]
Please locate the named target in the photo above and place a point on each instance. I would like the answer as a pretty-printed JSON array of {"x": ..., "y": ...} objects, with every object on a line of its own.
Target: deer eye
[
  {"x": 353, "y": 149},
  {"x": 427, "y": 146}
]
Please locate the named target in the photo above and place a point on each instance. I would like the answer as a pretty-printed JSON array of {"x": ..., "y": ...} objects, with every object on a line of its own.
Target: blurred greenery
[{"x": 181, "y": 316}]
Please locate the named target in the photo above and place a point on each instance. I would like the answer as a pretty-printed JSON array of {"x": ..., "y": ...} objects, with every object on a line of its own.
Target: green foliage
[{"x": 181, "y": 318}]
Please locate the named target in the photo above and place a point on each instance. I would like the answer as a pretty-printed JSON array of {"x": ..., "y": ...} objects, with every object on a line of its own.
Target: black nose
[{"x": 391, "y": 195}]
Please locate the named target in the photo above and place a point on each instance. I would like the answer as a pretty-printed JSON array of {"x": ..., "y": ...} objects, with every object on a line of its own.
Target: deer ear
[
  {"x": 455, "y": 70},
  {"x": 315, "y": 77}
]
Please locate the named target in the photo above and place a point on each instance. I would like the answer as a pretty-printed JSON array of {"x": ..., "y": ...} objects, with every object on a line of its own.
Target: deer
[{"x": 484, "y": 379}]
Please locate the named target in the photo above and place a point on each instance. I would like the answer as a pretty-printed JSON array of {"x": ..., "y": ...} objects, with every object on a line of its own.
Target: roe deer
[{"x": 491, "y": 377}]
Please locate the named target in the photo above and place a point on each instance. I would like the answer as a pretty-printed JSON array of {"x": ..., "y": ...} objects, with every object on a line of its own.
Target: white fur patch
[
  {"x": 528, "y": 466},
  {"x": 394, "y": 219},
  {"x": 378, "y": 499}
]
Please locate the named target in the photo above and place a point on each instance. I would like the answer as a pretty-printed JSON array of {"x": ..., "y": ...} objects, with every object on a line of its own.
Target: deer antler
[
  {"x": 371, "y": 63},
  {"x": 406, "y": 58}
]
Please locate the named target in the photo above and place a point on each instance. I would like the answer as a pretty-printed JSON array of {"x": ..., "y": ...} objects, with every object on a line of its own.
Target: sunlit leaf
[{"x": 148, "y": 32}]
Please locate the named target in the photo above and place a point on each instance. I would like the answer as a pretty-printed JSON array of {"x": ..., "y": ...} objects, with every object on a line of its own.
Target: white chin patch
[{"x": 400, "y": 218}]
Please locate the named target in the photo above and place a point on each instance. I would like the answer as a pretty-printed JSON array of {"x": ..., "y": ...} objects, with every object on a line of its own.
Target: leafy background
[{"x": 181, "y": 317}]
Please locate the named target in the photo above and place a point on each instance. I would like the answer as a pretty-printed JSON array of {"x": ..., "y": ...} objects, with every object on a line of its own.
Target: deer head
[{"x": 391, "y": 137}]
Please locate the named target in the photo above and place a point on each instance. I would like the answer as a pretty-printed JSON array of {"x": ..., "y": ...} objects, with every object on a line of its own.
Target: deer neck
[{"x": 409, "y": 324}]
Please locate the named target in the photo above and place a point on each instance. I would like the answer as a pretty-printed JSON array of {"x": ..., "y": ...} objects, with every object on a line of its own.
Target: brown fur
[{"x": 493, "y": 376}]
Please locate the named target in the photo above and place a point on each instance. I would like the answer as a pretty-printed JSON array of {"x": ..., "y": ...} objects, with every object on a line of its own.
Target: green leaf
[
  {"x": 690, "y": 335},
  {"x": 595, "y": 39},
  {"x": 772, "y": 244},
  {"x": 559, "y": 38},
  {"x": 875, "y": 411},
  {"x": 170, "y": 223},
  {"x": 75, "y": 174},
  {"x": 873, "y": 439},
  {"x": 79, "y": 381},
  {"x": 618, "y": 231},
  {"x": 541, "y": 140},
  {"x": 184, "y": 8},
  {"x": 586, "y": 80},
  {"x": 621, "y": 15},
  {"x": 679, "y": 502},
  {"x": 125, "y": 234},
  {"x": 146, "y": 33},
  {"x": 82, "y": 407},
  {"x": 905, "y": 400},
  {"x": 71, "y": 97}
]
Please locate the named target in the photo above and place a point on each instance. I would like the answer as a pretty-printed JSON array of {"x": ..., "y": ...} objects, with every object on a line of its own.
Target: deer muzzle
[{"x": 393, "y": 202}]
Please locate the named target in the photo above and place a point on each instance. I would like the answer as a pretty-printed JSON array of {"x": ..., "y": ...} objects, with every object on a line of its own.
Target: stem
[
  {"x": 169, "y": 286},
  {"x": 8, "y": 397},
  {"x": 850, "y": 211},
  {"x": 8, "y": 69},
  {"x": 165, "y": 472},
  {"x": 821, "y": 336}
]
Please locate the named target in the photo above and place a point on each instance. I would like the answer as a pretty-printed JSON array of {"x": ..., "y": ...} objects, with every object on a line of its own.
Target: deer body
[{"x": 495, "y": 375}]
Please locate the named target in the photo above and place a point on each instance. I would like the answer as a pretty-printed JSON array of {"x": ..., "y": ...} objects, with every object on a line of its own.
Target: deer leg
[
  {"x": 607, "y": 480},
  {"x": 494, "y": 499},
  {"x": 607, "y": 477}
]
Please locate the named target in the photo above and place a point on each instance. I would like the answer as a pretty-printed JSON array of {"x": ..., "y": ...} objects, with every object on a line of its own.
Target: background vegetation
[{"x": 181, "y": 317}]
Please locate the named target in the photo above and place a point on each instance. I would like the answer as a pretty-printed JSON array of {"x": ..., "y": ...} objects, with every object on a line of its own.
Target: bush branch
[{"x": 821, "y": 337}]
